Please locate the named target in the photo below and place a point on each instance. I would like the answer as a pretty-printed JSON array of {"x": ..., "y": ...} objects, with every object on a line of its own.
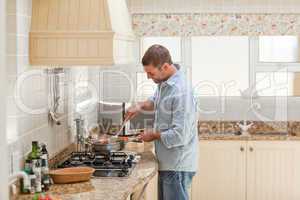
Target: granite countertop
[
  {"x": 230, "y": 136},
  {"x": 109, "y": 188}
]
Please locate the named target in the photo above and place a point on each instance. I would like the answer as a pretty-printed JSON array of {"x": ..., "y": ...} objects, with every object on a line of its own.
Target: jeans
[{"x": 174, "y": 185}]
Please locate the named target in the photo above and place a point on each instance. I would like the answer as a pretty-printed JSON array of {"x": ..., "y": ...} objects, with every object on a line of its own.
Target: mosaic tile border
[{"x": 201, "y": 24}]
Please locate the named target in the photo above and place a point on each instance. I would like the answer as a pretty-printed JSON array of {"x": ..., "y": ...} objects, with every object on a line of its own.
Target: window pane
[
  {"x": 116, "y": 87},
  {"x": 173, "y": 44},
  {"x": 279, "y": 49},
  {"x": 145, "y": 87},
  {"x": 276, "y": 83},
  {"x": 220, "y": 65}
]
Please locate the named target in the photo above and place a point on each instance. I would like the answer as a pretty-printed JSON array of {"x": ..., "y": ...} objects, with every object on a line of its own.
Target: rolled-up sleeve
[{"x": 177, "y": 135}]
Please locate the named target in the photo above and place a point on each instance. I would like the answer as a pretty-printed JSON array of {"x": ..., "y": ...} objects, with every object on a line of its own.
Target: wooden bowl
[{"x": 71, "y": 175}]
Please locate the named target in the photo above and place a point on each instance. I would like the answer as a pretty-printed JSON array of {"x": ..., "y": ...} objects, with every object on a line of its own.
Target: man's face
[{"x": 156, "y": 74}]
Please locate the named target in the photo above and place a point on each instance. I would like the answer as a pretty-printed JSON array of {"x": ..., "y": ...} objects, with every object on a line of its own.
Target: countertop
[
  {"x": 220, "y": 136},
  {"x": 116, "y": 188},
  {"x": 109, "y": 188}
]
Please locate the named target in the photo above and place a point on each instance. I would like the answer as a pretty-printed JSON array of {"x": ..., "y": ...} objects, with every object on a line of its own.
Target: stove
[{"x": 116, "y": 164}]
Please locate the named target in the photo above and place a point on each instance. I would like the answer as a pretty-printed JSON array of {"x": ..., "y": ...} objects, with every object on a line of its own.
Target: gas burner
[{"x": 115, "y": 164}]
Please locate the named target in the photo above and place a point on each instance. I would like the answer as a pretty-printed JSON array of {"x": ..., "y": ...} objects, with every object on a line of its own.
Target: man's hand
[
  {"x": 133, "y": 111},
  {"x": 149, "y": 136}
]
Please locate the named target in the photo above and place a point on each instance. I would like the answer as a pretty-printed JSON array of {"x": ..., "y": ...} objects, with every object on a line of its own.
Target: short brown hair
[{"x": 157, "y": 55}]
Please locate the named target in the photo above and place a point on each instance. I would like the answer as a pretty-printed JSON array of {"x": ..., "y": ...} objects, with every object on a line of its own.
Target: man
[{"x": 175, "y": 124}]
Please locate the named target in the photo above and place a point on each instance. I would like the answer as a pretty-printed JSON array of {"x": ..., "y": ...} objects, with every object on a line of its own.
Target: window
[
  {"x": 173, "y": 44},
  {"x": 145, "y": 87},
  {"x": 279, "y": 49},
  {"x": 275, "y": 83},
  {"x": 220, "y": 65},
  {"x": 227, "y": 65},
  {"x": 275, "y": 65}
]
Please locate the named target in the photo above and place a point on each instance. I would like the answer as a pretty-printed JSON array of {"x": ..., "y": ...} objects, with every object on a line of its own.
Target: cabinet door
[
  {"x": 273, "y": 170},
  {"x": 151, "y": 190},
  {"x": 221, "y": 171}
]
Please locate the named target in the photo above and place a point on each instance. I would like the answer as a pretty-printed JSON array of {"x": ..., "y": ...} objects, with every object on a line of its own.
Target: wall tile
[
  {"x": 23, "y": 63},
  {"x": 11, "y": 7},
  {"x": 11, "y": 44},
  {"x": 11, "y": 65},
  {"x": 11, "y": 85},
  {"x": 24, "y": 7},
  {"x": 23, "y": 45},
  {"x": 23, "y": 25},
  {"x": 26, "y": 127},
  {"x": 11, "y": 24}
]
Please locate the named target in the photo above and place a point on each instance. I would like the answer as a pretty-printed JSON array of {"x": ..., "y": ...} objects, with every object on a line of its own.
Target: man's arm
[{"x": 147, "y": 105}]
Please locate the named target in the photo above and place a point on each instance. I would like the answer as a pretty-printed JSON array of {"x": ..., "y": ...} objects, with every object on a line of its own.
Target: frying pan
[{"x": 109, "y": 144}]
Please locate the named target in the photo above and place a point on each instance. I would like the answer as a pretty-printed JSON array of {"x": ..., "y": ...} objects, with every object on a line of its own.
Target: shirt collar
[{"x": 173, "y": 79}]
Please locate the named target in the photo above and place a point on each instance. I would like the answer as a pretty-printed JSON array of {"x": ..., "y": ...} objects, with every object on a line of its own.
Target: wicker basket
[{"x": 71, "y": 175}]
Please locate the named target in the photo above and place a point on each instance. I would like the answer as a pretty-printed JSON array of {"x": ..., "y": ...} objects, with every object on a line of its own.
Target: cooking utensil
[
  {"x": 130, "y": 139},
  {"x": 113, "y": 143},
  {"x": 122, "y": 126},
  {"x": 134, "y": 132},
  {"x": 71, "y": 174}
]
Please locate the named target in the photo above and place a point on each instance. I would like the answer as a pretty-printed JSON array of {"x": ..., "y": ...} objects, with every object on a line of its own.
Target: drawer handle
[
  {"x": 251, "y": 149},
  {"x": 242, "y": 149}
]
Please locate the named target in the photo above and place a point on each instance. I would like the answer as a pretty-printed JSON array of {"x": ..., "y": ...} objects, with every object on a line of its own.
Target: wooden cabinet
[
  {"x": 273, "y": 170},
  {"x": 146, "y": 192},
  {"x": 253, "y": 170},
  {"x": 80, "y": 32},
  {"x": 222, "y": 171},
  {"x": 151, "y": 190}
]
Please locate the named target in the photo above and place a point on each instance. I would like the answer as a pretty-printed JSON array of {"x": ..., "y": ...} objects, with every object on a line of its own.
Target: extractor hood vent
[{"x": 80, "y": 32}]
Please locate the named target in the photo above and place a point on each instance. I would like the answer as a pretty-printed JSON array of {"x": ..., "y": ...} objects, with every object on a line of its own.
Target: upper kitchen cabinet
[{"x": 80, "y": 32}]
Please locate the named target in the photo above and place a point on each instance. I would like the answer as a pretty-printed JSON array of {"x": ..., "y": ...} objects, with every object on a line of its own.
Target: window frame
[
  {"x": 184, "y": 57},
  {"x": 259, "y": 67},
  {"x": 255, "y": 66}
]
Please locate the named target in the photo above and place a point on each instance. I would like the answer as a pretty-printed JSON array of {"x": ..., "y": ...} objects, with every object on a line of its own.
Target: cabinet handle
[
  {"x": 251, "y": 149},
  {"x": 242, "y": 148}
]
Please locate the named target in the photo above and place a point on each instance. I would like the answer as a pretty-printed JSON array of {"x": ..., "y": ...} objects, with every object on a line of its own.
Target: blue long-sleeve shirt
[{"x": 176, "y": 120}]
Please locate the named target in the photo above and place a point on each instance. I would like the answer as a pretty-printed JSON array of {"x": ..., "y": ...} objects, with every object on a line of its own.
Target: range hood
[{"x": 80, "y": 32}]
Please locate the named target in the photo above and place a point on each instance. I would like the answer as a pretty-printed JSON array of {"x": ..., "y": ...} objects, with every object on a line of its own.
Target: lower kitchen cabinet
[
  {"x": 253, "y": 170},
  {"x": 145, "y": 192},
  {"x": 151, "y": 190},
  {"x": 222, "y": 171},
  {"x": 273, "y": 170}
]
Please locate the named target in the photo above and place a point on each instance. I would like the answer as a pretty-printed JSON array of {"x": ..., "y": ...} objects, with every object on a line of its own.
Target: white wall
[
  {"x": 210, "y": 6},
  {"x": 3, "y": 143}
]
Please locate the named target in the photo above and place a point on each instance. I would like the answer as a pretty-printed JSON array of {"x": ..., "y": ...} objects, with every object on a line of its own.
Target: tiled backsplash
[
  {"x": 231, "y": 127},
  {"x": 23, "y": 127}
]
